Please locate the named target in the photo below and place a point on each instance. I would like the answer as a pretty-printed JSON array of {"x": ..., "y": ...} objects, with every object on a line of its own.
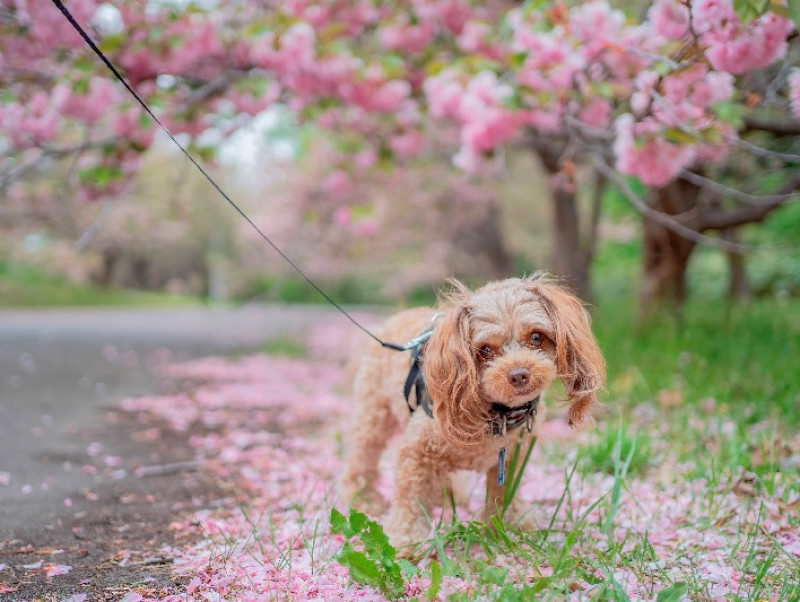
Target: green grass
[
  {"x": 743, "y": 357},
  {"x": 23, "y": 286}
]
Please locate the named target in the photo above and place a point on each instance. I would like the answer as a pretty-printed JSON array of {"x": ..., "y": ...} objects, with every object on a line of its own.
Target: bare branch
[
  {"x": 762, "y": 152},
  {"x": 664, "y": 219},
  {"x": 89, "y": 234},
  {"x": 50, "y": 153},
  {"x": 721, "y": 220},
  {"x": 779, "y": 128},
  {"x": 750, "y": 199}
]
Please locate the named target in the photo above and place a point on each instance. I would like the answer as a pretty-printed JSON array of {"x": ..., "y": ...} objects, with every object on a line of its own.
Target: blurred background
[{"x": 344, "y": 166}]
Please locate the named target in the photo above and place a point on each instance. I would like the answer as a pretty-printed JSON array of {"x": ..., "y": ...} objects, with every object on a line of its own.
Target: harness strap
[{"x": 416, "y": 379}]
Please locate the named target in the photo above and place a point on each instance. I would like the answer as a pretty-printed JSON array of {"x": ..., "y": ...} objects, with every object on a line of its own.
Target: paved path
[{"x": 59, "y": 371}]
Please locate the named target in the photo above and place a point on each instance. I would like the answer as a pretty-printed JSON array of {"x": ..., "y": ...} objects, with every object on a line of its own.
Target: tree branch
[
  {"x": 779, "y": 128},
  {"x": 50, "y": 153},
  {"x": 663, "y": 219},
  {"x": 720, "y": 220},
  {"x": 750, "y": 199}
]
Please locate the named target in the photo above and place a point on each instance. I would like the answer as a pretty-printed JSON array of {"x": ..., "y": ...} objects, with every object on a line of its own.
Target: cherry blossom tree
[{"x": 672, "y": 99}]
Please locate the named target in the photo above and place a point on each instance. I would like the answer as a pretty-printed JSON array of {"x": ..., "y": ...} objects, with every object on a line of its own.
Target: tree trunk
[
  {"x": 738, "y": 287},
  {"x": 570, "y": 262},
  {"x": 666, "y": 254},
  {"x": 110, "y": 257},
  {"x": 572, "y": 256},
  {"x": 493, "y": 246}
]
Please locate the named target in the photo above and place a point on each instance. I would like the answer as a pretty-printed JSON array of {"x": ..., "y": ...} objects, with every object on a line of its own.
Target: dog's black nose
[{"x": 519, "y": 377}]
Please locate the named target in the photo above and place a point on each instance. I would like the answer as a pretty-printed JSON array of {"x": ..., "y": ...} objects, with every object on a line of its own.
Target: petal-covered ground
[{"x": 274, "y": 428}]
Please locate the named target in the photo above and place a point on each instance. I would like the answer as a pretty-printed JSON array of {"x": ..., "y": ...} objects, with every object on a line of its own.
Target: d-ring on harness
[{"x": 504, "y": 418}]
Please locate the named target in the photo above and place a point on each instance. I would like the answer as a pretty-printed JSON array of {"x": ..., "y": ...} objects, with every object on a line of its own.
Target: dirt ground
[
  {"x": 114, "y": 536},
  {"x": 85, "y": 485}
]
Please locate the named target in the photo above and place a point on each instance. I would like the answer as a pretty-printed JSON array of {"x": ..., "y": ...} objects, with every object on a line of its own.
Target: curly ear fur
[
  {"x": 579, "y": 362},
  {"x": 451, "y": 374}
]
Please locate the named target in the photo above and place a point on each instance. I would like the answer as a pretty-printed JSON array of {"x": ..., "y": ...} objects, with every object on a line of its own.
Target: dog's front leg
[{"x": 419, "y": 483}]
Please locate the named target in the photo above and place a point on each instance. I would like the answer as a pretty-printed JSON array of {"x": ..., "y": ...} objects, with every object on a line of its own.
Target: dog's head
[{"x": 504, "y": 344}]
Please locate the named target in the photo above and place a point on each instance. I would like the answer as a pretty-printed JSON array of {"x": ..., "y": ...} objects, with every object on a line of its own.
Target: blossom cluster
[{"x": 388, "y": 73}]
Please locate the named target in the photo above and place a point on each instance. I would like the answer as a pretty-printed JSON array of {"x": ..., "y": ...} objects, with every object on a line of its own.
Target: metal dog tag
[{"x": 501, "y": 466}]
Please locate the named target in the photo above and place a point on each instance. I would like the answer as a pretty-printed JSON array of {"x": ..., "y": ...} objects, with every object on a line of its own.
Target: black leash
[{"x": 68, "y": 15}]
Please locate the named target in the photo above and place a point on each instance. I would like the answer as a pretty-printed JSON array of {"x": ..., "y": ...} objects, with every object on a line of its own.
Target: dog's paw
[
  {"x": 407, "y": 538},
  {"x": 369, "y": 502}
]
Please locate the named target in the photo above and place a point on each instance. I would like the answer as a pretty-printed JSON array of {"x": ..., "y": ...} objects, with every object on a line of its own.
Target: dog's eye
[
  {"x": 537, "y": 339},
  {"x": 486, "y": 352}
]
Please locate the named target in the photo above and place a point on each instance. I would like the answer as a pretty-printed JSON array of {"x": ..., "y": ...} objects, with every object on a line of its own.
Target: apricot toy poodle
[{"x": 476, "y": 378}]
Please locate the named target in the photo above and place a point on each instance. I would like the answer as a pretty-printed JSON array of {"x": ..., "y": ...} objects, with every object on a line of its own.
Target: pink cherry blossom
[
  {"x": 641, "y": 152},
  {"x": 733, "y": 46},
  {"x": 670, "y": 18},
  {"x": 403, "y": 36}
]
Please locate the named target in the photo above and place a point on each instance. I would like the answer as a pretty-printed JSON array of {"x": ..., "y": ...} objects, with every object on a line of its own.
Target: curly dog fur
[{"x": 503, "y": 343}]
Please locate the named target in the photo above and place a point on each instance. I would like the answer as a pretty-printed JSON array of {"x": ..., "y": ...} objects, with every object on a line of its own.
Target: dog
[{"x": 482, "y": 369}]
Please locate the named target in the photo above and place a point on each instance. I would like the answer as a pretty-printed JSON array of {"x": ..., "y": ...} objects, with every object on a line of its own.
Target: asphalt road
[{"x": 60, "y": 370}]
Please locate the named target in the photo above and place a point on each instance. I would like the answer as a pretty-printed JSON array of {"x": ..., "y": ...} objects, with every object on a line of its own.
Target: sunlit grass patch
[
  {"x": 24, "y": 286},
  {"x": 611, "y": 442}
]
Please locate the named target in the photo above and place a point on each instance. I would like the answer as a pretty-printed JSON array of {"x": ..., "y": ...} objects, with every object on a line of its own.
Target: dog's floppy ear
[
  {"x": 451, "y": 374},
  {"x": 579, "y": 362}
]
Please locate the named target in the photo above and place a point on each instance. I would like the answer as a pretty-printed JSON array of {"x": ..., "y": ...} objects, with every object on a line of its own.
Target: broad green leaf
[
  {"x": 358, "y": 521},
  {"x": 362, "y": 569},
  {"x": 339, "y": 523},
  {"x": 409, "y": 569}
]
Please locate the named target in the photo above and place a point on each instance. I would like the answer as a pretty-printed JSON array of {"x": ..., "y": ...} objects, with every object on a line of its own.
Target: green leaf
[
  {"x": 99, "y": 176},
  {"x": 358, "y": 521},
  {"x": 517, "y": 60},
  {"x": 436, "y": 581},
  {"x": 673, "y": 593},
  {"x": 111, "y": 44},
  {"x": 362, "y": 569},
  {"x": 339, "y": 523},
  {"x": 743, "y": 10},
  {"x": 730, "y": 112},
  {"x": 794, "y": 11},
  {"x": 779, "y": 9},
  {"x": 409, "y": 569},
  {"x": 541, "y": 585},
  {"x": 678, "y": 136}
]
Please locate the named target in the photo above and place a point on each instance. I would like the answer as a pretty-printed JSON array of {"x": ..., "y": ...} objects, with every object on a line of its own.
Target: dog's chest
[{"x": 479, "y": 459}]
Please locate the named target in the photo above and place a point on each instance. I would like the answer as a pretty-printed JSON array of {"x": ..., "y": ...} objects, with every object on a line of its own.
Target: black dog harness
[{"x": 504, "y": 419}]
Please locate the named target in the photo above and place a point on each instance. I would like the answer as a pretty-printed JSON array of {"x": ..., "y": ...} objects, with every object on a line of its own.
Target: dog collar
[{"x": 505, "y": 419}]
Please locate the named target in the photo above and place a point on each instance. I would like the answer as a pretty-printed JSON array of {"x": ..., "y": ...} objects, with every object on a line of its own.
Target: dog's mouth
[{"x": 520, "y": 398}]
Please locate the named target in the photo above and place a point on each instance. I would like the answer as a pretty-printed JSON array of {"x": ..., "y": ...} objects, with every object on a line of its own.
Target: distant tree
[{"x": 669, "y": 99}]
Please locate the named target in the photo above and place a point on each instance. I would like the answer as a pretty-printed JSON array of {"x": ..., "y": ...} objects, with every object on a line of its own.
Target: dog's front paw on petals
[
  {"x": 406, "y": 541},
  {"x": 369, "y": 502}
]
